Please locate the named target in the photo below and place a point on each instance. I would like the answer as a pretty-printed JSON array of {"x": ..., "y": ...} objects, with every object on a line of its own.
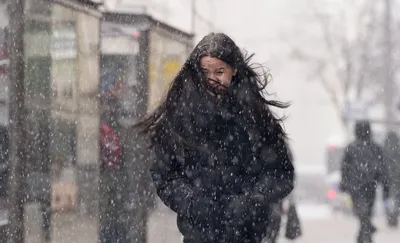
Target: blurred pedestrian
[
  {"x": 112, "y": 175},
  {"x": 392, "y": 152},
  {"x": 363, "y": 167},
  {"x": 221, "y": 157}
]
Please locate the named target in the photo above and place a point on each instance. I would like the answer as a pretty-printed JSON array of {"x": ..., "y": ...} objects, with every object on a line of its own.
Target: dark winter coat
[
  {"x": 222, "y": 187},
  {"x": 363, "y": 164}
]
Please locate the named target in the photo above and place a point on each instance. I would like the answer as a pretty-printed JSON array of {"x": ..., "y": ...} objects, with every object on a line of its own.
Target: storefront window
[
  {"x": 119, "y": 85},
  {"x": 118, "y": 92},
  {"x": 62, "y": 83},
  {"x": 64, "y": 76},
  {"x": 88, "y": 122},
  {"x": 166, "y": 58}
]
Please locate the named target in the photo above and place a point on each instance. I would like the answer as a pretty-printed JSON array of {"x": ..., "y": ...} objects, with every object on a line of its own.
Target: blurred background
[{"x": 93, "y": 68}]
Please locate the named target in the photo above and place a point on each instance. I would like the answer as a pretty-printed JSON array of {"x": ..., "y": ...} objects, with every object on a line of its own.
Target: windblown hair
[{"x": 187, "y": 96}]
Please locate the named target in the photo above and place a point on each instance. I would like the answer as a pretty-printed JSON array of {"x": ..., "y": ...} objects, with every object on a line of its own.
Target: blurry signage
[
  {"x": 166, "y": 57},
  {"x": 355, "y": 111},
  {"x": 168, "y": 67},
  {"x": 171, "y": 68},
  {"x": 63, "y": 44},
  {"x": 119, "y": 46},
  {"x": 118, "y": 40}
]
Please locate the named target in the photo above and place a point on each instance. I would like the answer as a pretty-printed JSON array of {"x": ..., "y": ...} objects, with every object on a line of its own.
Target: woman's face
[{"x": 218, "y": 73}]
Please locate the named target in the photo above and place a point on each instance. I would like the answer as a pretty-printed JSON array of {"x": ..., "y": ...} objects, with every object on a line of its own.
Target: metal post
[
  {"x": 17, "y": 120},
  {"x": 194, "y": 13},
  {"x": 136, "y": 154},
  {"x": 389, "y": 85}
]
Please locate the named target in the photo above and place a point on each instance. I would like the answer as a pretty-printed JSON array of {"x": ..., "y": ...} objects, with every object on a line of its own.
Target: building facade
[{"x": 62, "y": 73}]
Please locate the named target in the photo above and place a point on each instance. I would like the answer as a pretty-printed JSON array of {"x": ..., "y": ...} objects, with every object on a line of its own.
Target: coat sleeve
[
  {"x": 345, "y": 169},
  {"x": 276, "y": 179},
  {"x": 171, "y": 184},
  {"x": 384, "y": 173}
]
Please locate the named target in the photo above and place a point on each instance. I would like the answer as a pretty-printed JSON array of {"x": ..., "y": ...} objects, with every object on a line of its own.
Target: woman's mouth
[
  {"x": 222, "y": 87},
  {"x": 217, "y": 87}
]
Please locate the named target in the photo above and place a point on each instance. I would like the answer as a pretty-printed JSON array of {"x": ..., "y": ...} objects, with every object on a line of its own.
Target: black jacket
[
  {"x": 363, "y": 166},
  {"x": 225, "y": 183}
]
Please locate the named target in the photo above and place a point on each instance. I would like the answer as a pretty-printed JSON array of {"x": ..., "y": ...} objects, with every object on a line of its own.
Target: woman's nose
[{"x": 212, "y": 76}]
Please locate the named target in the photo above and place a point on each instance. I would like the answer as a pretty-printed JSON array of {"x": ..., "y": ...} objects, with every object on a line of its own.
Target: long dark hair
[{"x": 187, "y": 100}]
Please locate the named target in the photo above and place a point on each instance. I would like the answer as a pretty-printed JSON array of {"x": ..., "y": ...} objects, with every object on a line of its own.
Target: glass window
[
  {"x": 166, "y": 58},
  {"x": 119, "y": 84},
  {"x": 62, "y": 83}
]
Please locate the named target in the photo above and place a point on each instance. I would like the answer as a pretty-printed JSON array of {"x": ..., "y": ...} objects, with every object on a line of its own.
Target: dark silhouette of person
[{"x": 363, "y": 167}]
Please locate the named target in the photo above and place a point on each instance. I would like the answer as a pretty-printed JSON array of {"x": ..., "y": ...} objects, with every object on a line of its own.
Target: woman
[{"x": 221, "y": 157}]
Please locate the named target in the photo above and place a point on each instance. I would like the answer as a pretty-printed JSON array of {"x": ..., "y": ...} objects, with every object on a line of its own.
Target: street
[{"x": 319, "y": 226}]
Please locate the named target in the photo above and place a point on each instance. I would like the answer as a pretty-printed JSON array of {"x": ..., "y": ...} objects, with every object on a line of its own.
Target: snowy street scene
[{"x": 199, "y": 121}]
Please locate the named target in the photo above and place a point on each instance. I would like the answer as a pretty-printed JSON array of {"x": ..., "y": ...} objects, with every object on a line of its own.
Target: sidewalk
[
  {"x": 162, "y": 227},
  {"x": 343, "y": 229},
  {"x": 68, "y": 227},
  {"x": 335, "y": 229}
]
